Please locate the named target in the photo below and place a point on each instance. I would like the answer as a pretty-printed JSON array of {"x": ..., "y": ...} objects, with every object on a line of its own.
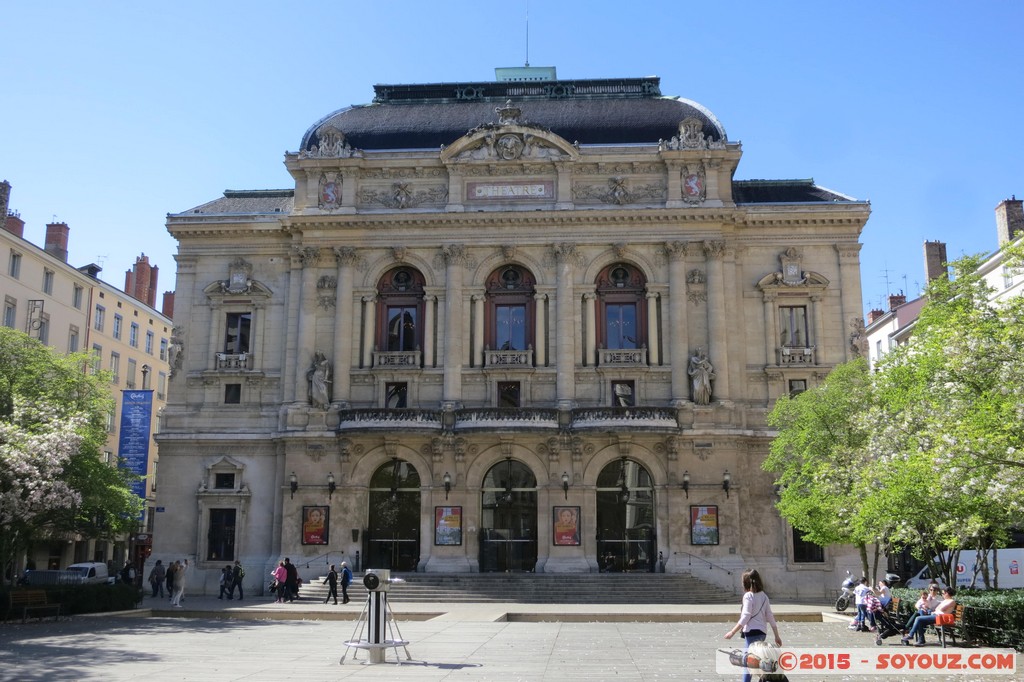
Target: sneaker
[
  {"x": 905, "y": 640},
  {"x": 918, "y": 643}
]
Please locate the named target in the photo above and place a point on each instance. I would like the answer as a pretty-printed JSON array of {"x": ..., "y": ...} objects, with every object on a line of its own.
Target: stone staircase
[{"x": 539, "y": 588}]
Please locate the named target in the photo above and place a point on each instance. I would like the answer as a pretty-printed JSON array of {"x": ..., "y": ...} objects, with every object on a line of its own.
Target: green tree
[
  {"x": 53, "y": 414},
  {"x": 819, "y": 458}
]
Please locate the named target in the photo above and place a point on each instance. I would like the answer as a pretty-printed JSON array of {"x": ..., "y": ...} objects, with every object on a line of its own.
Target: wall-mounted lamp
[
  {"x": 565, "y": 484},
  {"x": 447, "y": 484},
  {"x": 726, "y": 482},
  {"x": 293, "y": 483},
  {"x": 686, "y": 483},
  {"x": 331, "y": 485}
]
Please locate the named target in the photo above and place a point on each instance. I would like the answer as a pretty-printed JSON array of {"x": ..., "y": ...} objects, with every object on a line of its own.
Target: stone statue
[
  {"x": 174, "y": 351},
  {"x": 701, "y": 375},
  {"x": 319, "y": 376}
]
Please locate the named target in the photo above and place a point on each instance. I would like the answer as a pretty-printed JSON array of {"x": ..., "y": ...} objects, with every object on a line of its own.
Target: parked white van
[
  {"x": 92, "y": 572},
  {"x": 1009, "y": 561}
]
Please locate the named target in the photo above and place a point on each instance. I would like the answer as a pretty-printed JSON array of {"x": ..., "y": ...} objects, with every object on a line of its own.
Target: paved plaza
[{"x": 256, "y": 640}]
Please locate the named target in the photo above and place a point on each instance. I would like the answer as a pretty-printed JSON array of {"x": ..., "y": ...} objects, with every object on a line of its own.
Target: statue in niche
[
  {"x": 701, "y": 375},
  {"x": 319, "y": 376}
]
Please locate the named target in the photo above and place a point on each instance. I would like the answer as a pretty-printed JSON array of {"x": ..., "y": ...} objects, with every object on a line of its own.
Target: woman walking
[{"x": 755, "y": 616}]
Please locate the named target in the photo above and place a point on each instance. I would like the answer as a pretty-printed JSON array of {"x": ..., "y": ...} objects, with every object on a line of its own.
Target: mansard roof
[
  {"x": 590, "y": 112},
  {"x": 783, "y": 192},
  {"x": 247, "y": 202}
]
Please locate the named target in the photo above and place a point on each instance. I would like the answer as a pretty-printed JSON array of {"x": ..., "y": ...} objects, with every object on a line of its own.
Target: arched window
[
  {"x": 510, "y": 309},
  {"x": 621, "y": 315},
  {"x": 400, "y": 310}
]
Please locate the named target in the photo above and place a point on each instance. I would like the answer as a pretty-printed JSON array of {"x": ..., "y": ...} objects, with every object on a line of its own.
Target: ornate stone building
[{"x": 545, "y": 344}]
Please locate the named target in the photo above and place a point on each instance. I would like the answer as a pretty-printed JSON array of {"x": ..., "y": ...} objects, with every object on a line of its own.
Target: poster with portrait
[
  {"x": 447, "y": 525},
  {"x": 703, "y": 524},
  {"x": 566, "y": 525},
  {"x": 315, "y": 525}
]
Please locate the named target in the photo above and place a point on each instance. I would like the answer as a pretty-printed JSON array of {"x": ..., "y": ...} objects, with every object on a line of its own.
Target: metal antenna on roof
[{"x": 527, "y": 32}]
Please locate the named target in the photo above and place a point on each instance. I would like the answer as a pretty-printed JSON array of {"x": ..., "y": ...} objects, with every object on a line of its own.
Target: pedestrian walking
[
  {"x": 346, "y": 580},
  {"x": 755, "y": 616},
  {"x": 157, "y": 575},
  {"x": 332, "y": 582},
  {"x": 292, "y": 582},
  {"x": 237, "y": 573},
  {"x": 180, "y": 576}
]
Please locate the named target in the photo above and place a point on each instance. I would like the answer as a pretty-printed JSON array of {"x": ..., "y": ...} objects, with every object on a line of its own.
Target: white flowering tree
[{"x": 53, "y": 413}]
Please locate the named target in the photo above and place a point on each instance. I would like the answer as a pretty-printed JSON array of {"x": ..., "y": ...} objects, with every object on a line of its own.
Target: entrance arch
[
  {"x": 508, "y": 528},
  {"x": 393, "y": 539},
  {"x": 626, "y": 539}
]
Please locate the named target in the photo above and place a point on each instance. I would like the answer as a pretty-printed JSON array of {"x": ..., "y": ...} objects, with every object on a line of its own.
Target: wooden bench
[
  {"x": 29, "y": 601},
  {"x": 949, "y": 630}
]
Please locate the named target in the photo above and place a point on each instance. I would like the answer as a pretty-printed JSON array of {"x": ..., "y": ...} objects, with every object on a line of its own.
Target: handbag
[
  {"x": 945, "y": 618},
  {"x": 273, "y": 586}
]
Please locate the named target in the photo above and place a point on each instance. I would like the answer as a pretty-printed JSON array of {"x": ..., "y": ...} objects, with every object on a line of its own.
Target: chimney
[
  {"x": 57, "y": 240},
  {"x": 874, "y": 315},
  {"x": 15, "y": 225},
  {"x": 5, "y": 200},
  {"x": 1009, "y": 220},
  {"x": 140, "y": 281},
  {"x": 896, "y": 300},
  {"x": 168, "y": 306},
  {"x": 935, "y": 260}
]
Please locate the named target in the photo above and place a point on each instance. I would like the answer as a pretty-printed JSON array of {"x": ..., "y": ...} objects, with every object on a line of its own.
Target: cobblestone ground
[{"x": 159, "y": 648}]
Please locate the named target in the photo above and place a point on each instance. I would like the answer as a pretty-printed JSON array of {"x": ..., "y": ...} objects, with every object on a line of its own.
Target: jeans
[
  {"x": 919, "y": 626},
  {"x": 750, "y": 638}
]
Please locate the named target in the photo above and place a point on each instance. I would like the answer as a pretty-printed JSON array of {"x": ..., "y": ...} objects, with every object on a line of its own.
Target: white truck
[{"x": 1010, "y": 563}]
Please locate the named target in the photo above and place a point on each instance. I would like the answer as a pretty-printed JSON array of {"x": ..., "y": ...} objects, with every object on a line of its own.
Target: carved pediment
[
  {"x": 331, "y": 144},
  {"x": 238, "y": 283},
  {"x": 510, "y": 139}
]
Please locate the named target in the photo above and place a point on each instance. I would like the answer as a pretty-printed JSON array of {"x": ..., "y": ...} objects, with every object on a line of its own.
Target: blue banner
[{"x": 133, "y": 442}]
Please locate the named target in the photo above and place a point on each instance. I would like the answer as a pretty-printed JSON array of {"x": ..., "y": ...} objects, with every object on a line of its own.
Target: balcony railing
[
  {"x": 622, "y": 357},
  {"x": 509, "y": 417},
  {"x": 796, "y": 355},
  {"x": 232, "y": 361},
  {"x": 390, "y": 419},
  {"x": 406, "y": 359},
  {"x": 508, "y": 358},
  {"x": 632, "y": 417}
]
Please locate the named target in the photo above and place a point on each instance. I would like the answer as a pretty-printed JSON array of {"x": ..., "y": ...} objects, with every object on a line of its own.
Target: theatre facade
[{"x": 509, "y": 326}]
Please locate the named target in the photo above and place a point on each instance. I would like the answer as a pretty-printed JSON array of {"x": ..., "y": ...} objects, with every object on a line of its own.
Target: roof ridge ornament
[
  {"x": 691, "y": 136},
  {"x": 509, "y": 115}
]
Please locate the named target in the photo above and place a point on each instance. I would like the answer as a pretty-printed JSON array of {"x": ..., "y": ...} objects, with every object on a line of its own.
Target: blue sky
[{"x": 118, "y": 113}]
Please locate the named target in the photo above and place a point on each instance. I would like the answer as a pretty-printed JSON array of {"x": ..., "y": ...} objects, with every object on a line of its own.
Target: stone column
[
  {"x": 259, "y": 331},
  {"x": 849, "y": 286},
  {"x": 429, "y": 301},
  {"x": 306, "y": 322},
  {"x": 817, "y": 325},
  {"x": 369, "y": 329},
  {"x": 771, "y": 328},
  {"x": 455, "y": 257},
  {"x": 590, "y": 348},
  {"x": 679, "y": 346},
  {"x": 565, "y": 327},
  {"x": 539, "y": 330},
  {"x": 652, "y": 330},
  {"x": 478, "y": 330},
  {"x": 291, "y": 327},
  {"x": 718, "y": 352},
  {"x": 347, "y": 258}
]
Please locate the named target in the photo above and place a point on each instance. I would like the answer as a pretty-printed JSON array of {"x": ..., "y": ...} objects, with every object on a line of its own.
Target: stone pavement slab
[{"x": 467, "y": 643}]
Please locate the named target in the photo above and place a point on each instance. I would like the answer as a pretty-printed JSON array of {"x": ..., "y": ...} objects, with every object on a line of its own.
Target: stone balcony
[
  {"x": 513, "y": 359},
  {"x": 796, "y": 355},
  {"x": 622, "y": 357},
  {"x": 403, "y": 359},
  {"x": 232, "y": 361}
]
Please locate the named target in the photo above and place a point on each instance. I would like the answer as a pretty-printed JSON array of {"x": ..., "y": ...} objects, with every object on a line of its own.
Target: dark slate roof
[
  {"x": 591, "y": 112},
  {"x": 783, "y": 192},
  {"x": 246, "y": 202}
]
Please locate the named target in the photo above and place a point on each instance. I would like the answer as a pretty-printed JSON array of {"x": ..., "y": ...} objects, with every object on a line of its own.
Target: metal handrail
[
  {"x": 700, "y": 558},
  {"x": 327, "y": 558}
]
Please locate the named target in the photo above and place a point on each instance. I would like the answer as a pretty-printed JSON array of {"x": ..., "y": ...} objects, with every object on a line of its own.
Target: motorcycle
[{"x": 846, "y": 596}]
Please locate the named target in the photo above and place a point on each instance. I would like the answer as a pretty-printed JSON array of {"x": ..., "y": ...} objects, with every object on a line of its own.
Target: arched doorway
[
  {"x": 625, "y": 518},
  {"x": 393, "y": 538},
  {"x": 508, "y": 528}
]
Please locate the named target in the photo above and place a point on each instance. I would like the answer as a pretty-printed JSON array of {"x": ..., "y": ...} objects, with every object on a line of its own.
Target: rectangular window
[
  {"x": 73, "y": 339},
  {"x": 76, "y": 296},
  {"x": 98, "y": 318},
  {"x": 797, "y": 386},
  {"x": 115, "y": 367},
  {"x": 805, "y": 551},
  {"x": 44, "y": 329},
  {"x": 236, "y": 340},
  {"x": 14, "y": 265},
  {"x": 397, "y": 394},
  {"x": 149, "y": 342},
  {"x": 161, "y": 385},
  {"x": 133, "y": 335},
  {"x": 97, "y": 357},
  {"x": 163, "y": 349},
  {"x": 232, "y": 394},
  {"x": 510, "y": 327},
  {"x": 130, "y": 377},
  {"x": 402, "y": 328},
  {"x": 10, "y": 312},
  {"x": 508, "y": 394},
  {"x": 118, "y": 323},
  {"x": 111, "y": 420},
  {"x": 620, "y": 325},
  {"x": 221, "y": 537},
  {"x": 793, "y": 326},
  {"x": 224, "y": 481},
  {"x": 623, "y": 394},
  {"x": 48, "y": 282}
]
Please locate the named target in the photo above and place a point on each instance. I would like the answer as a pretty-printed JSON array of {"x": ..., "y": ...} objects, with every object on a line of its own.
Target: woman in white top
[{"x": 755, "y": 616}]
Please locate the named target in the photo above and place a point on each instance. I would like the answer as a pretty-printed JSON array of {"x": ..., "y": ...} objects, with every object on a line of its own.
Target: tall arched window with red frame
[
  {"x": 400, "y": 310},
  {"x": 510, "y": 309},
  {"x": 621, "y": 315}
]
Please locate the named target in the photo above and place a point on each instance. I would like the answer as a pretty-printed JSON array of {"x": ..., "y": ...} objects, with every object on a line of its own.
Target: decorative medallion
[
  {"x": 696, "y": 286},
  {"x": 330, "y": 191},
  {"x": 694, "y": 189}
]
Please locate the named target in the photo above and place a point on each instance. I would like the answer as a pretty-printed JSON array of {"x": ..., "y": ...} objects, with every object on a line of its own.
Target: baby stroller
[{"x": 886, "y": 622}]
